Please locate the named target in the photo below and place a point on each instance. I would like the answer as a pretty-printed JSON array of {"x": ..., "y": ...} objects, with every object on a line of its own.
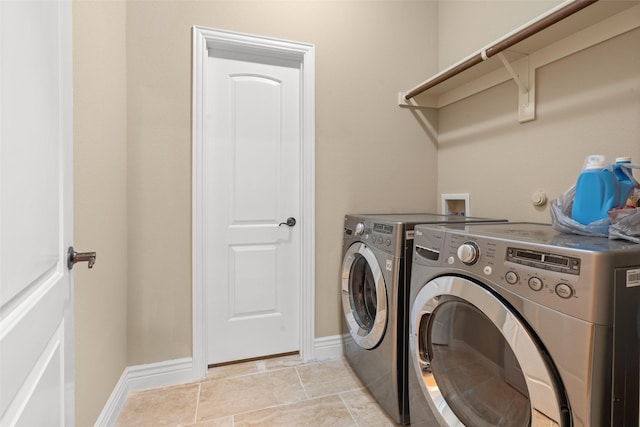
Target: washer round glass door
[
  {"x": 364, "y": 297},
  {"x": 476, "y": 362}
]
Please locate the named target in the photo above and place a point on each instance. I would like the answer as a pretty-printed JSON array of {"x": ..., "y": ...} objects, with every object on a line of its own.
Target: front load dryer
[
  {"x": 512, "y": 325},
  {"x": 376, "y": 267}
]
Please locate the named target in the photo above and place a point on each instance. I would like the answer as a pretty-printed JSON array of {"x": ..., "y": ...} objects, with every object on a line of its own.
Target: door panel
[
  {"x": 18, "y": 365},
  {"x": 252, "y": 265},
  {"x": 252, "y": 146},
  {"x": 44, "y": 405},
  {"x": 257, "y": 135},
  {"x": 36, "y": 333},
  {"x": 29, "y": 212}
]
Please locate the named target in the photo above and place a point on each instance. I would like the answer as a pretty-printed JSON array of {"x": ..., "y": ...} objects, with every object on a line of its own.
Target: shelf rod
[{"x": 501, "y": 46}]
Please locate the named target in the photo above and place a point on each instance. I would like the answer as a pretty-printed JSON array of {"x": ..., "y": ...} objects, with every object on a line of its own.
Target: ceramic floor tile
[
  {"x": 283, "y": 362},
  {"x": 234, "y": 370},
  {"x": 283, "y": 391},
  {"x": 324, "y": 411},
  {"x": 325, "y": 378},
  {"x": 218, "y": 422},
  {"x": 252, "y": 367},
  {"x": 221, "y": 398},
  {"x": 365, "y": 410},
  {"x": 160, "y": 407}
]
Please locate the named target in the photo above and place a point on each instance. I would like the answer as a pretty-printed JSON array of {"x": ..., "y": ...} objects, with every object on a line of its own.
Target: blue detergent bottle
[
  {"x": 624, "y": 177},
  {"x": 597, "y": 191}
]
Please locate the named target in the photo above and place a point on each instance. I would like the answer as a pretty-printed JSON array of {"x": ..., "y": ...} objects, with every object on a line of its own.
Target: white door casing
[
  {"x": 36, "y": 296},
  {"x": 246, "y": 229}
]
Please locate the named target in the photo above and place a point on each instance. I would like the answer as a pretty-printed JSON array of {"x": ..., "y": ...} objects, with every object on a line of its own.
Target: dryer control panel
[
  {"x": 549, "y": 278},
  {"x": 568, "y": 273},
  {"x": 545, "y": 260}
]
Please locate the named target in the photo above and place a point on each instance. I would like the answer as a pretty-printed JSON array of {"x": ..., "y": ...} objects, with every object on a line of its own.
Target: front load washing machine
[
  {"x": 512, "y": 325},
  {"x": 376, "y": 267}
]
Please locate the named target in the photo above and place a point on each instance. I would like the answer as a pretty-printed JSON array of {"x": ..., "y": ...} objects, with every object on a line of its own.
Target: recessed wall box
[{"x": 456, "y": 204}]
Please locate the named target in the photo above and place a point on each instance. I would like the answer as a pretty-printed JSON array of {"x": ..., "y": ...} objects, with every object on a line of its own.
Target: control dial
[
  {"x": 359, "y": 229},
  {"x": 468, "y": 253},
  {"x": 511, "y": 277},
  {"x": 564, "y": 291},
  {"x": 536, "y": 283}
]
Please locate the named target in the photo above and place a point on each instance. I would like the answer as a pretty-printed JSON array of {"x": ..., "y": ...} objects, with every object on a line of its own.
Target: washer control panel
[
  {"x": 382, "y": 234},
  {"x": 379, "y": 235}
]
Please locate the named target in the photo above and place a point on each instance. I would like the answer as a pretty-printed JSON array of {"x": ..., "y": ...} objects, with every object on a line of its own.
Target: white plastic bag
[
  {"x": 562, "y": 221},
  {"x": 625, "y": 224}
]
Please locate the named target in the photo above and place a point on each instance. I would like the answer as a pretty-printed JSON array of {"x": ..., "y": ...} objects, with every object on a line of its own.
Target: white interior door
[
  {"x": 36, "y": 324},
  {"x": 252, "y": 147}
]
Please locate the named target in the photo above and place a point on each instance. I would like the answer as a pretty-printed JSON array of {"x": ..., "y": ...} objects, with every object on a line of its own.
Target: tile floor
[{"x": 282, "y": 391}]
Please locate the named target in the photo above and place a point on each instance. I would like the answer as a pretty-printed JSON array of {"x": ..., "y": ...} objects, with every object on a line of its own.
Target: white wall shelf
[{"x": 594, "y": 24}]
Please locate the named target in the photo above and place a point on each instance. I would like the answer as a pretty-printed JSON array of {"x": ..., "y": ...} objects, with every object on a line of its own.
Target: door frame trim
[{"x": 204, "y": 39}]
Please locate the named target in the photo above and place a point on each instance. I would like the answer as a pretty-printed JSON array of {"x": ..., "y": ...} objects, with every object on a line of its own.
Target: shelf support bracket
[{"x": 526, "y": 89}]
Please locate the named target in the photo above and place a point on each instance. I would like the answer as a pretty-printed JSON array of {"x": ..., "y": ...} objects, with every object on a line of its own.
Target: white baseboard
[
  {"x": 328, "y": 347},
  {"x": 142, "y": 377},
  {"x": 111, "y": 411},
  {"x": 178, "y": 371},
  {"x": 160, "y": 374}
]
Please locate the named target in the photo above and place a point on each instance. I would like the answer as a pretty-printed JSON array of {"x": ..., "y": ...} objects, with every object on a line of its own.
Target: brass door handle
[{"x": 74, "y": 257}]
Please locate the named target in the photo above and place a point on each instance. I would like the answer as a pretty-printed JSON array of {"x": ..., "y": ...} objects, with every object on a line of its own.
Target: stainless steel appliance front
[
  {"x": 375, "y": 274},
  {"x": 511, "y": 325}
]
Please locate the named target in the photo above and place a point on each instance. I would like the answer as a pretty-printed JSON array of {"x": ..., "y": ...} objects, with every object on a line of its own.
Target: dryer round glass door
[
  {"x": 364, "y": 298},
  {"x": 477, "y": 363}
]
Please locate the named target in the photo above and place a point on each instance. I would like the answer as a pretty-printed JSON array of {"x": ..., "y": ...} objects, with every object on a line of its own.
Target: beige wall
[
  {"x": 100, "y": 190},
  {"x": 371, "y": 156},
  {"x": 132, "y": 118},
  {"x": 586, "y": 103},
  {"x": 132, "y": 150},
  {"x": 465, "y": 26}
]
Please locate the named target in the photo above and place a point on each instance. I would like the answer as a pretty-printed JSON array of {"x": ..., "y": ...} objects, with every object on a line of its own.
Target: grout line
[
  {"x": 195, "y": 416},
  {"x": 263, "y": 370},
  {"x": 348, "y": 408},
  {"x": 302, "y": 384},
  {"x": 275, "y": 406},
  {"x": 246, "y": 374},
  {"x": 266, "y": 371},
  {"x": 280, "y": 405}
]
